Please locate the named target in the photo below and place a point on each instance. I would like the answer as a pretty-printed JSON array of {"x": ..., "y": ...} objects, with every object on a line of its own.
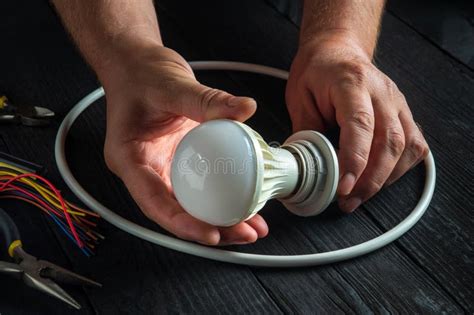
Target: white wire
[{"x": 220, "y": 254}]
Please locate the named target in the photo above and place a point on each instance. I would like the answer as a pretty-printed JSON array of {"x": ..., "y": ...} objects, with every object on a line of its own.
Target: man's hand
[
  {"x": 333, "y": 81},
  {"x": 153, "y": 100}
]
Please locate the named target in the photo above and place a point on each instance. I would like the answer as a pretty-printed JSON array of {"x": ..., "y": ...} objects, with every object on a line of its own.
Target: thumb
[{"x": 202, "y": 103}]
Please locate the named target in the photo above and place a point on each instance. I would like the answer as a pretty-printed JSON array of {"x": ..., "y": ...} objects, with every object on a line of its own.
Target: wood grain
[
  {"x": 448, "y": 25},
  {"x": 427, "y": 271}
]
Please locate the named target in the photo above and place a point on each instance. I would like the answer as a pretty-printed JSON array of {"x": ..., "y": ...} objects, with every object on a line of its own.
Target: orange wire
[
  {"x": 26, "y": 200},
  {"x": 58, "y": 194}
]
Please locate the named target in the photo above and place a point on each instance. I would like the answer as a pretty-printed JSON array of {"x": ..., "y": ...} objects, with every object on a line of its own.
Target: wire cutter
[
  {"x": 38, "y": 274},
  {"x": 26, "y": 115}
]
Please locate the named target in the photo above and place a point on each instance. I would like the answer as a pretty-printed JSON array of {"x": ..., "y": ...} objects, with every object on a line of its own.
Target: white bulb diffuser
[{"x": 223, "y": 172}]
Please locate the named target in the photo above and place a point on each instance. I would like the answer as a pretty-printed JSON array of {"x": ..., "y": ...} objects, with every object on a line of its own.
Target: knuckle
[
  {"x": 206, "y": 98},
  {"x": 362, "y": 120},
  {"x": 417, "y": 148},
  {"x": 396, "y": 143},
  {"x": 402, "y": 98},
  {"x": 393, "y": 140},
  {"x": 391, "y": 88},
  {"x": 426, "y": 151},
  {"x": 354, "y": 73}
]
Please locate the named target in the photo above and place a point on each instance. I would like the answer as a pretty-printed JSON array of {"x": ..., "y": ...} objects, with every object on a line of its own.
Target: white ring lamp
[{"x": 216, "y": 253}]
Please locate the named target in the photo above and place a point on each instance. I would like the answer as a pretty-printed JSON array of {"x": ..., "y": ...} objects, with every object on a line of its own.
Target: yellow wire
[
  {"x": 32, "y": 182},
  {"x": 42, "y": 190},
  {"x": 52, "y": 198},
  {"x": 47, "y": 194},
  {"x": 19, "y": 170}
]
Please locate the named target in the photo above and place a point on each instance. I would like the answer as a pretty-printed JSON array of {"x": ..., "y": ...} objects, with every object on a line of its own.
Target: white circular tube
[{"x": 220, "y": 254}]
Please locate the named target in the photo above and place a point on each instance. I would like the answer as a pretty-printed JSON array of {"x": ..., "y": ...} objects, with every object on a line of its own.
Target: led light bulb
[{"x": 223, "y": 172}]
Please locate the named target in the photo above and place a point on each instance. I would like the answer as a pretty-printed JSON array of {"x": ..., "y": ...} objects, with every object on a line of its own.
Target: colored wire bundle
[{"x": 77, "y": 223}]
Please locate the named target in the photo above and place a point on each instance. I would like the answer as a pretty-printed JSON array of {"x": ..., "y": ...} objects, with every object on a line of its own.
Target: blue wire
[
  {"x": 84, "y": 235},
  {"x": 65, "y": 228},
  {"x": 79, "y": 228},
  {"x": 68, "y": 234}
]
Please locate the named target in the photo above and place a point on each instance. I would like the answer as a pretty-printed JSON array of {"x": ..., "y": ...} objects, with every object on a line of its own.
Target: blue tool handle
[{"x": 8, "y": 231}]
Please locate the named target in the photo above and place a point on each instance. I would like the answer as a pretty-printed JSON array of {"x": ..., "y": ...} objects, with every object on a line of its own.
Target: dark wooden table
[{"x": 429, "y": 270}]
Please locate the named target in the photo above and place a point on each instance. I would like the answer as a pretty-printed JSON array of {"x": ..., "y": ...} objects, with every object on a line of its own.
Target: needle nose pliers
[
  {"x": 38, "y": 274},
  {"x": 26, "y": 115}
]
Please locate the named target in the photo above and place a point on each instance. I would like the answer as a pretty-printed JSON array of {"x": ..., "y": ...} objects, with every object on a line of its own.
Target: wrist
[
  {"x": 136, "y": 68},
  {"x": 336, "y": 39},
  {"x": 116, "y": 57}
]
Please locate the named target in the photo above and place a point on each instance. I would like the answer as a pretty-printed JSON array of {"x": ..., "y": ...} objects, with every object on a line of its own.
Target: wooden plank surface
[
  {"x": 448, "y": 25},
  {"x": 258, "y": 55},
  {"x": 428, "y": 271},
  {"x": 441, "y": 92}
]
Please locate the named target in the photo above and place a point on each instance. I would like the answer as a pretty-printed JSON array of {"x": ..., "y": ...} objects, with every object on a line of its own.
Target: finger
[
  {"x": 244, "y": 232},
  {"x": 201, "y": 103},
  {"x": 154, "y": 199},
  {"x": 355, "y": 116},
  {"x": 259, "y": 225},
  {"x": 387, "y": 146},
  {"x": 241, "y": 233},
  {"x": 416, "y": 148},
  {"x": 304, "y": 111}
]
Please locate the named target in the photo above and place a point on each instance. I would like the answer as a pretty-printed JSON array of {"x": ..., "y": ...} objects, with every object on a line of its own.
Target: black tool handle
[{"x": 8, "y": 230}]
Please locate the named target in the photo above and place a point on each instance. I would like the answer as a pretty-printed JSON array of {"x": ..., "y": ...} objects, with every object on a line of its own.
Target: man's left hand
[{"x": 333, "y": 82}]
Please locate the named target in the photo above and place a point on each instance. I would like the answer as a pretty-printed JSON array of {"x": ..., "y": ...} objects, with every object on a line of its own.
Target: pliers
[
  {"x": 26, "y": 115},
  {"x": 38, "y": 274}
]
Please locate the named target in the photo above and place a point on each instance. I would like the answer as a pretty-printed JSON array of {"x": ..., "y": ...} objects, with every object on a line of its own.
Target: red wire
[
  {"x": 70, "y": 204},
  {"x": 91, "y": 246},
  {"x": 57, "y": 193},
  {"x": 29, "y": 194},
  {"x": 26, "y": 200}
]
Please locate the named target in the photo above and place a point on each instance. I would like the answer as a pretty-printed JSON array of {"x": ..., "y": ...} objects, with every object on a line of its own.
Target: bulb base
[{"x": 318, "y": 173}]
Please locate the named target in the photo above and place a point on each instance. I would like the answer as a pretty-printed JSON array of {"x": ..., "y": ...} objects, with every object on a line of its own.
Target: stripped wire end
[{"x": 77, "y": 223}]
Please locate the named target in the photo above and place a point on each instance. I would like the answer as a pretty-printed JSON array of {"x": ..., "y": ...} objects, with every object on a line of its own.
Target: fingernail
[
  {"x": 212, "y": 238},
  {"x": 245, "y": 240},
  {"x": 351, "y": 204},
  {"x": 240, "y": 242},
  {"x": 346, "y": 184},
  {"x": 237, "y": 100},
  {"x": 236, "y": 241},
  {"x": 234, "y": 101}
]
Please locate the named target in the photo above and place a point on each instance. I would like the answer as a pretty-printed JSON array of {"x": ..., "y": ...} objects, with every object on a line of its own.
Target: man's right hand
[{"x": 153, "y": 100}]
